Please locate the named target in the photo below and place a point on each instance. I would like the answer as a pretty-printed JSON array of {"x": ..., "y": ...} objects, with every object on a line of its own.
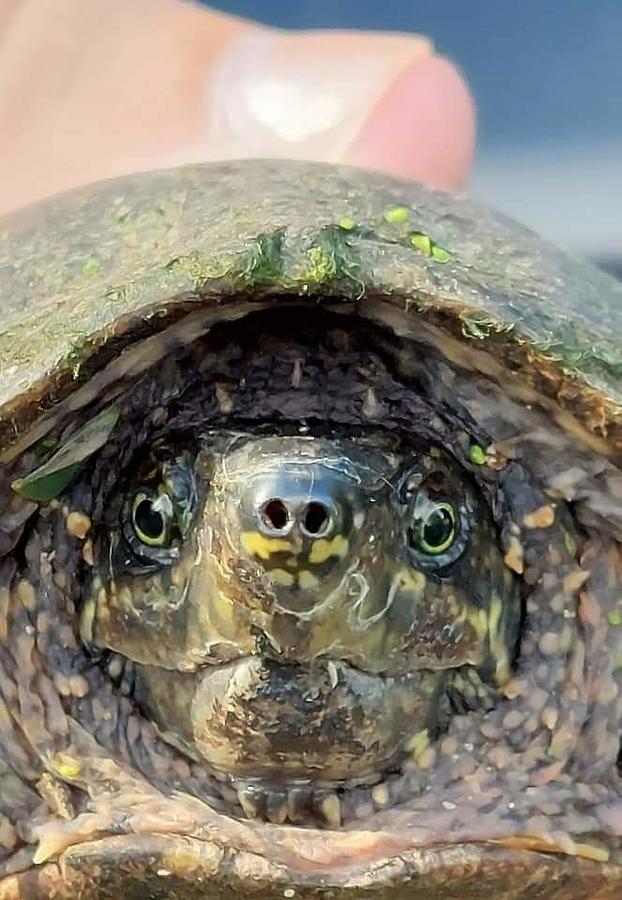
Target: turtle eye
[
  {"x": 436, "y": 530},
  {"x": 152, "y": 516},
  {"x": 434, "y": 527}
]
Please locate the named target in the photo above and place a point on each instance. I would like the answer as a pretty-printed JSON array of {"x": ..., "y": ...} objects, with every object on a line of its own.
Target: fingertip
[
  {"x": 303, "y": 95},
  {"x": 99, "y": 89},
  {"x": 423, "y": 127}
]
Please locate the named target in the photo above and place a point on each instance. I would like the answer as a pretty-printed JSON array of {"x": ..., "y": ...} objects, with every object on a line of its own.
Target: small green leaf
[
  {"x": 421, "y": 242},
  {"x": 477, "y": 455},
  {"x": 615, "y": 617},
  {"x": 51, "y": 478},
  {"x": 44, "y": 488},
  {"x": 424, "y": 244},
  {"x": 396, "y": 214},
  {"x": 347, "y": 223},
  {"x": 439, "y": 253},
  {"x": 91, "y": 266}
]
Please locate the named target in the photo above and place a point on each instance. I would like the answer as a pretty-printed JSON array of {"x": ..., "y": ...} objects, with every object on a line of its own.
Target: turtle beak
[{"x": 295, "y": 524}]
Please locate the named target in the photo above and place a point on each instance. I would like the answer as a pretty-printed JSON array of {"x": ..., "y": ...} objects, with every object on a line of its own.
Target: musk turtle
[{"x": 310, "y": 522}]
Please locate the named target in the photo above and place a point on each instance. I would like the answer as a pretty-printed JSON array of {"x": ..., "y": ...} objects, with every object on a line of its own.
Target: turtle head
[{"x": 316, "y": 601}]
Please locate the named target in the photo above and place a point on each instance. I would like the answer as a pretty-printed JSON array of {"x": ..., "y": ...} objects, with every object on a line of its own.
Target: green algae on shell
[{"x": 554, "y": 320}]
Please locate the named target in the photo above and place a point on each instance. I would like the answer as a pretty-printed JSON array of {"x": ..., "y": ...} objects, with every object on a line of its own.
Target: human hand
[{"x": 95, "y": 88}]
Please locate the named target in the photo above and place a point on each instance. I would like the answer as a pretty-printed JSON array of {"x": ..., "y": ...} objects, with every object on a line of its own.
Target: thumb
[{"x": 95, "y": 88}]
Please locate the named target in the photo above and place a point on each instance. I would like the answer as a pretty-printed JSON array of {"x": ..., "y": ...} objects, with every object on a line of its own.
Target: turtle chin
[
  {"x": 326, "y": 721},
  {"x": 277, "y": 730}
]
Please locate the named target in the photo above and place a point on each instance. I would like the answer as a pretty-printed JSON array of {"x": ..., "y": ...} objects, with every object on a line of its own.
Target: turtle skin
[{"x": 310, "y": 521}]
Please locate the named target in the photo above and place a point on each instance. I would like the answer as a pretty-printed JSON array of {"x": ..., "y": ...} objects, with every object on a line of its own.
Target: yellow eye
[
  {"x": 151, "y": 517},
  {"x": 435, "y": 527}
]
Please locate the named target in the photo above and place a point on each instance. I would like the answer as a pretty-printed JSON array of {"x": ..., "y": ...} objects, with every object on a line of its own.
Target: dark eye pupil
[
  {"x": 148, "y": 520},
  {"x": 438, "y": 527}
]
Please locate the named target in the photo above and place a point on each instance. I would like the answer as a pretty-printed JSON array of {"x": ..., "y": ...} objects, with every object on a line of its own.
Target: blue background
[{"x": 547, "y": 77}]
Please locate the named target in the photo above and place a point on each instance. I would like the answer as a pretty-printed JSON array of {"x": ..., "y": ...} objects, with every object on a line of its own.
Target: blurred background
[{"x": 547, "y": 78}]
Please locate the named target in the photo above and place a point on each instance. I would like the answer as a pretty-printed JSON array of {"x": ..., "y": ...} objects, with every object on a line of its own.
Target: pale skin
[{"x": 91, "y": 89}]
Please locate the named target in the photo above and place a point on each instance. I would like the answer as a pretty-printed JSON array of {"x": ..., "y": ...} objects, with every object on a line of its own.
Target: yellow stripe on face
[
  {"x": 323, "y": 549},
  {"x": 307, "y": 580},
  {"x": 409, "y": 580},
  {"x": 280, "y": 576},
  {"x": 478, "y": 620},
  {"x": 256, "y": 544},
  {"x": 496, "y": 640}
]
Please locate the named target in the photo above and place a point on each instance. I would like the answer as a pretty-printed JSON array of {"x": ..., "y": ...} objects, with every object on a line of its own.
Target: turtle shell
[
  {"x": 84, "y": 274},
  {"x": 98, "y": 285}
]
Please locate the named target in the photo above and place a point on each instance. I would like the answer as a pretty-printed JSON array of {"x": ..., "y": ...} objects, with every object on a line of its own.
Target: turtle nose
[
  {"x": 312, "y": 518},
  {"x": 296, "y": 521}
]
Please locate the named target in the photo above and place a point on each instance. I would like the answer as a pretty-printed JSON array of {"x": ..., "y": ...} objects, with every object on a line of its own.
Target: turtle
[{"x": 310, "y": 523}]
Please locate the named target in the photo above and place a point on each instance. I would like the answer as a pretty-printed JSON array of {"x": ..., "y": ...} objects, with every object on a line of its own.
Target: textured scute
[{"x": 93, "y": 267}]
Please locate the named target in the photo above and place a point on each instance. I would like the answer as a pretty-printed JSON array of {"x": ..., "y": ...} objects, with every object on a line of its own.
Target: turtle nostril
[
  {"x": 275, "y": 514},
  {"x": 316, "y": 518}
]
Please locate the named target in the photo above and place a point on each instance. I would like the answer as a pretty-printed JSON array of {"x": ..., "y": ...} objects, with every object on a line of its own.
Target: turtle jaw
[
  {"x": 326, "y": 720},
  {"x": 291, "y": 739}
]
